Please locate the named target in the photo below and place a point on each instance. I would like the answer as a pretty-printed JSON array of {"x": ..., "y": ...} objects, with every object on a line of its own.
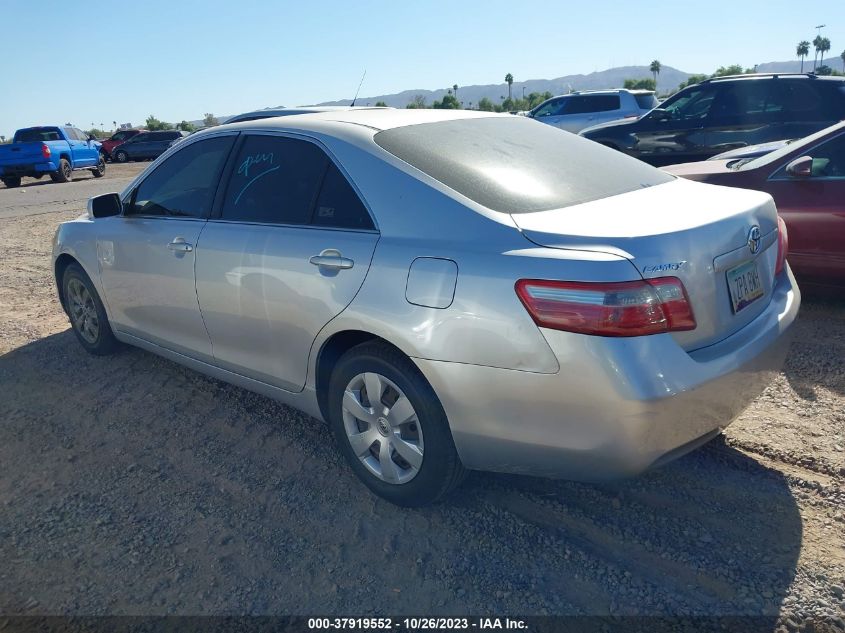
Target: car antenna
[{"x": 359, "y": 89}]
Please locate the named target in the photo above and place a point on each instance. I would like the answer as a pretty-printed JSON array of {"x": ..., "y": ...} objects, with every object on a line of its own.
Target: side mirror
[
  {"x": 659, "y": 114},
  {"x": 104, "y": 206},
  {"x": 800, "y": 168}
]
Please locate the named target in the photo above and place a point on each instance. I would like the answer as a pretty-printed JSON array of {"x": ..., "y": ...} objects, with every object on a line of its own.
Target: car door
[
  {"x": 134, "y": 146},
  {"x": 286, "y": 252},
  {"x": 601, "y": 109},
  {"x": 675, "y": 132},
  {"x": 147, "y": 254},
  {"x": 742, "y": 115},
  {"x": 813, "y": 208},
  {"x": 90, "y": 151},
  {"x": 78, "y": 147}
]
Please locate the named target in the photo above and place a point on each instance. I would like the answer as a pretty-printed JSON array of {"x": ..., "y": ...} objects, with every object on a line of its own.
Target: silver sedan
[{"x": 447, "y": 290}]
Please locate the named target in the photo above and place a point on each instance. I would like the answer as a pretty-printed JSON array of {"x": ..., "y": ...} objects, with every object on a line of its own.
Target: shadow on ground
[{"x": 131, "y": 485}]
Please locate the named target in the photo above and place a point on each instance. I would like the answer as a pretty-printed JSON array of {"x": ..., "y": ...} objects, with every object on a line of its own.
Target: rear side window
[
  {"x": 274, "y": 180},
  {"x": 807, "y": 100},
  {"x": 517, "y": 165},
  {"x": 646, "y": 102},
  {"x": 585, "y": 104},
  {"x": 338, "y": 205},
  {"x": 184, "y": 185}
]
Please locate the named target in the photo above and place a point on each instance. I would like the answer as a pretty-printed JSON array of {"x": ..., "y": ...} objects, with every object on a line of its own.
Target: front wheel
[
  {"x": 12, "y": 181},
  {"x": 64, "y": 173},
  {"x": 391, "y": 427},
  {"x": 100, "y": 170},
  {"x": 87, "y": 315},
  {"x": 121, "y": 156}
]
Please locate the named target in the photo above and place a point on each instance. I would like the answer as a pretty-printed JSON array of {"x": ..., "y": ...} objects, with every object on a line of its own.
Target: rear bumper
[
  {"x": 618, "y": 405},
  {"x": 26, "y": 170}
]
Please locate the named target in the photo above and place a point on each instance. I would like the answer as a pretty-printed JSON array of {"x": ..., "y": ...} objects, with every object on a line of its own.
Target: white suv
[{"x": 579, "y": 110}]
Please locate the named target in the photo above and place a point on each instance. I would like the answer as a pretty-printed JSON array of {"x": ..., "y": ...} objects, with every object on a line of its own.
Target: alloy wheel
[{"x": 83, "y": 311}]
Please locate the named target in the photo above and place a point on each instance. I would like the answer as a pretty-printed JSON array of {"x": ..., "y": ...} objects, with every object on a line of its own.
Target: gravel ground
[{"x": 131, "y": 485}]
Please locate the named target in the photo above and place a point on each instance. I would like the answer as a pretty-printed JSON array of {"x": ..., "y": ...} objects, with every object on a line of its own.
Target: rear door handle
[
  {"x": 179, "y": 245},
  {"x": 331, "y": 258}
]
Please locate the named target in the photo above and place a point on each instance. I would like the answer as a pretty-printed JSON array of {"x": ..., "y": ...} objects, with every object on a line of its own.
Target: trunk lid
[
  {"x": 20, "y": 154},
  {"x": 699, "y": 233}
]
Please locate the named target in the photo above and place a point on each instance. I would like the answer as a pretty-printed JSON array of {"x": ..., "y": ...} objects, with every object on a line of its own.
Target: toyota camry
[{"x": 448, "y": 290}]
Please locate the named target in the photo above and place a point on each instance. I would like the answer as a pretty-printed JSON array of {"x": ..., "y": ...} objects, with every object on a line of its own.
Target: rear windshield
[
  {"x": 37, "y": 135},
  {"x": 517, "y": 165},
  {"x": 646, "y": 102}
]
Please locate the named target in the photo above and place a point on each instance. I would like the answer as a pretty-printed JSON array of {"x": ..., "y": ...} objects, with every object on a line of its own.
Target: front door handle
[
  {"x": 331, "y": 258},
  {"x": 179, "y": 245}
]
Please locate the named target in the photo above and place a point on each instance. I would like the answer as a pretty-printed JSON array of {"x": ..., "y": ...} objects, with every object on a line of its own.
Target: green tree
[
  {"x": 449, "y": 102},
  {"x": 824, "y": 46},
  {"x": 209, "y": 120},
  {"x": 734, "y": 69},
  {"x": 153, "y": 124},
  {"x": 692, "y": 80},
  {"x": 824, "y": 70},
  {"x": 817, "y": 42},
  {"x": 802, "y": 50},
  {"x": 96, "y": 133},
  {"x": 381, "y": 104},
  {"x": 509, "y": 80},
  {"x": 639, "y": 84},
  {"x": 417, "y": 102},
  {"x": 186, "y": 126},
  {"x": 485, "y": 104},
  {"x": 655, "y": 70}
]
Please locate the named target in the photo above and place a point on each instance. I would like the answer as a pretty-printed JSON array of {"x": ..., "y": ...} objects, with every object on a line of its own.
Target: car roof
[
  {"x": 374, "y": 118},
  {"x": 271, "y": 112},
  {"x": 759, "y": 76}
]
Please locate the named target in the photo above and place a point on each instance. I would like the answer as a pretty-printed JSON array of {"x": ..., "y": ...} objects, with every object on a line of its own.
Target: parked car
[
  {"x": 267, "y": 113},
  {"x": 147, "y": 145},
  {"x": 578, "y": 110},
  {"x": 116, "y": 139},
  {"x": 449, "y": 290},
  {"x": 56, "y": 151},
  {"x": 727, "y": 113},
  {"x": 807, "y": 180}
]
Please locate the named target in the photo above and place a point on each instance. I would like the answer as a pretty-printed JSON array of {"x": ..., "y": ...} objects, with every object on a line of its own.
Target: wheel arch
[
  {"x": 332, "y": 349},
  {"x": 59, "y": 267}
]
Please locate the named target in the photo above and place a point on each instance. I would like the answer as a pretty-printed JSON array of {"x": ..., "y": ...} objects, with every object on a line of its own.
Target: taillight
[
  {"x": 45, "y": 151},
  {"x": 783, "y": 246},
  {"x": 628, "y": 308}
]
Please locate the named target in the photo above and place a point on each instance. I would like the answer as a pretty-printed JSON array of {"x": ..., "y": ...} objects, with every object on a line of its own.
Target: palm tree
[
  {"x": 509, "y": 79},
  {"x": 655, "y": 70},
  {"x": 817, "y": 42},
  {"x": 455, "y": 88},
  {"x": 802, "y": 50},
  {"x": 824, "y": 46}
]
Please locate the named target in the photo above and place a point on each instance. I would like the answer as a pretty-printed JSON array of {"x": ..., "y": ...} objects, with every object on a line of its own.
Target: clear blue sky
[{"x": 101, "y": 61}]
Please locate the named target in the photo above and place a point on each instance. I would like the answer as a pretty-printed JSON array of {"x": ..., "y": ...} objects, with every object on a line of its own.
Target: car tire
[
  {"x": 121, "y": 156},
  {"x": 419, "y": 464},
  {"x": 88, "y": 318},
  {"x": 64, "y": 173},
  {"x": 100, "y": 170},
  {"x": 12, "y": 181}
]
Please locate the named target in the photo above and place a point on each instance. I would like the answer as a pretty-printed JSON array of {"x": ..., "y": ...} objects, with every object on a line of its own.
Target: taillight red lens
[
  {"x": 783, "y": 246},
  {"x": 45, "y": 151},
  {"x": 628, "y": 308}
]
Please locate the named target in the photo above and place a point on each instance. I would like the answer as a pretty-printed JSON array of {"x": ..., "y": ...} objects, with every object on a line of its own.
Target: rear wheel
[
  {"x": 64, "y": 173},
  {"x": 12, "y": 181},
  {"x": 100, "y": 170},
  {"x": 87, "y": 315},
  {"x": 120, "y": 156},
  {"x": 391, "y": 427}
]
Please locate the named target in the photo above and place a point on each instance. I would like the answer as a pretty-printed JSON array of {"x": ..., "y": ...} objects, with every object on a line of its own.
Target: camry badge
[{"x": 754, "y": 239}]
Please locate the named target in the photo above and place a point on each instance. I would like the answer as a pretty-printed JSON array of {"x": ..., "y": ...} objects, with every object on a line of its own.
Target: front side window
[
  {"x": 741, "y": 102},
  {"x": 556, "y": 107},
  {"x": 828, "y": 160},
  {"x": 692, "y": 104},
  {"x": 183, "y": 185},
  {"x": 274, "y": 180},
  {"x": 120, "y": 136}
]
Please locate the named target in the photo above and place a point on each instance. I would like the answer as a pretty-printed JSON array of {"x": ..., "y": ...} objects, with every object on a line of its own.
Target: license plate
[{"x": 745, "y": 285}]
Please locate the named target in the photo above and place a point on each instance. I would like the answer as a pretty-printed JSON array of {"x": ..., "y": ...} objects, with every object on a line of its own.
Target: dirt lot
[{"x": 129, "y": 485}]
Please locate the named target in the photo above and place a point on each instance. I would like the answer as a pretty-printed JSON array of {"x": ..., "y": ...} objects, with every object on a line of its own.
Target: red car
[
  {"x": 807, "y": 181},
  {"x": 118, "y": 138}
]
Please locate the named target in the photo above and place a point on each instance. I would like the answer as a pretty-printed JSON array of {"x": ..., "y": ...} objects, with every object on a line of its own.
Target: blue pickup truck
[{"x": 57, "y": 151}]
